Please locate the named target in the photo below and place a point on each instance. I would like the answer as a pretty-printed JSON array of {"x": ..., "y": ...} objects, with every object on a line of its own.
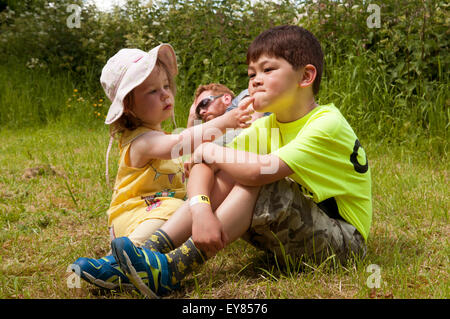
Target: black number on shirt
[{"x": 354, "y": 159}]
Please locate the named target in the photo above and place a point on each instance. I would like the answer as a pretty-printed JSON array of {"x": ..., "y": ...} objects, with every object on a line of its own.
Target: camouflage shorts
[{"x": 285, "y": 219}]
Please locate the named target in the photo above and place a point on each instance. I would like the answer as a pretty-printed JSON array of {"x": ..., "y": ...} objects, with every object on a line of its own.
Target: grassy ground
[{"x": 53, "y": 199}]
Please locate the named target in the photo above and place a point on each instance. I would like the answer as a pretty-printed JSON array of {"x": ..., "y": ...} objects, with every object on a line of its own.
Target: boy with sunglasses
[{"x": 314, "y": 202}]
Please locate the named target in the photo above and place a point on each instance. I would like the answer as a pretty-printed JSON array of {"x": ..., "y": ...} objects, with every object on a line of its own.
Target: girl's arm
[
  {"x": 239, "y": 117},
  {"x": 156, "y": 144}
]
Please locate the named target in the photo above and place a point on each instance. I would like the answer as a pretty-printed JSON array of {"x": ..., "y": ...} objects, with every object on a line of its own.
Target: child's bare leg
[
  {"x": 232, "y": 219},
  {"x": 236, "y": 211},
  {"x": 212, "y": 232},
  {"x": 179, "y": 226},
  {"x": 235, "y": 215},
  {"x": 207, "y": 231},
  {"x": 144, "y": 230}
]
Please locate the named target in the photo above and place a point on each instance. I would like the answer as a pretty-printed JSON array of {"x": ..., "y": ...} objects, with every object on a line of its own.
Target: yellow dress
[{"x": 154, "y": 191}]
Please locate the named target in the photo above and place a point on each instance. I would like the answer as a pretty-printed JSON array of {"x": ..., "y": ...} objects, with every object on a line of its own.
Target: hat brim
[
  {"x": 137, "y": 73},
  {"x": 167, "y": 55}
]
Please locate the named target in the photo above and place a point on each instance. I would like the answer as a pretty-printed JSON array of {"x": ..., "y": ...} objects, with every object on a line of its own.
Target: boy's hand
[
  {"x": 202, "y": 152},
  {"x": 240, "y": 116},
  {"x": 207, "y": 231},
  {"x": 187, "y": 167},
  {"x": 208, "y": 153}
]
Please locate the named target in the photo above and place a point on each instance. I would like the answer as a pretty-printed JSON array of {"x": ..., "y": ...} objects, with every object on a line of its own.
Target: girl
[{"x": 150, "y": 183}]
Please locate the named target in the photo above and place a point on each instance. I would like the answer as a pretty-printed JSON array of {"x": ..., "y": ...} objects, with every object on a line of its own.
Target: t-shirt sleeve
[{"x": 253, "y": 139}]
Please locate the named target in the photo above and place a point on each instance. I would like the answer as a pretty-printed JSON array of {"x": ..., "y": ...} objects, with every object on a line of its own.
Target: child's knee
[{"x": 144, "y": 230}]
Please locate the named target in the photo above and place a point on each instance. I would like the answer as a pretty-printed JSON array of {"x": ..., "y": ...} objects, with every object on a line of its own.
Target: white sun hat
[{"x": 127, "y": 69}]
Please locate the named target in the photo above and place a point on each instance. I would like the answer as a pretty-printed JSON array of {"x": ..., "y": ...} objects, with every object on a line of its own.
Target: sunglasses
[{"x": 205, "y": 103}]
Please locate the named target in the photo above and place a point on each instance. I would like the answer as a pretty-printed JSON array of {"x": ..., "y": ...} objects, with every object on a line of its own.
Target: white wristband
[{"x": 199, "y": 199}]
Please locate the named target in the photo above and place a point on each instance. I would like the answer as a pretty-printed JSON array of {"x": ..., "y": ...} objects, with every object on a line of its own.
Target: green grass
[
  {"x": 53, "y": 200},
  {"x": 36, "y": 97},
  {"x": 53, "y": 195}
]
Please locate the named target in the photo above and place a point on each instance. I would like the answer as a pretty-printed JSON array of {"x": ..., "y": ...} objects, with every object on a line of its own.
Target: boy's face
[{"x": 270, "y": 77}]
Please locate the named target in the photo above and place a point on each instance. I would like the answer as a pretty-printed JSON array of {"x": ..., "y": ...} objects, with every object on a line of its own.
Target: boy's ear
[{"x": 309, "y": 73}]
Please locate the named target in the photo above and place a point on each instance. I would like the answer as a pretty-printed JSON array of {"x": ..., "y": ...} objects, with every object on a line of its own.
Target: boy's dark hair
[{"x": 295, "y": 44}]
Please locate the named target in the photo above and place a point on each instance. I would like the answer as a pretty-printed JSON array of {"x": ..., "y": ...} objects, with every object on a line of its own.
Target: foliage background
[{"x": 390, "y": 82}]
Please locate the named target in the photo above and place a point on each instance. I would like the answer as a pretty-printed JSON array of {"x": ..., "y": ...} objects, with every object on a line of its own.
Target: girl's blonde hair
[{"x": 128, "y": 121}]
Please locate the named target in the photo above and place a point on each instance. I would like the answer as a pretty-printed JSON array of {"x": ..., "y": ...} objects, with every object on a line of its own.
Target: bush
[{"x": 390, "y": 79}]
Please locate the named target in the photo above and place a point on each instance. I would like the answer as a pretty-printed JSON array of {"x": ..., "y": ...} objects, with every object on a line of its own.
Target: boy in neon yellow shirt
[{"x": 296, "y": 182}]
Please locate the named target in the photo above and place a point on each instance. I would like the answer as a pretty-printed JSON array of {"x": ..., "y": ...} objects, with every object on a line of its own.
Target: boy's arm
[
  {"x": 207, "y": 231},
  {"x": 156, "y": 144},
  {"x": 246, "y": 168}
]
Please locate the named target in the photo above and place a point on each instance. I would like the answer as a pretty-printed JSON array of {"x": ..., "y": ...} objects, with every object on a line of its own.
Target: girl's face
[{"x": 153, "y": 99}]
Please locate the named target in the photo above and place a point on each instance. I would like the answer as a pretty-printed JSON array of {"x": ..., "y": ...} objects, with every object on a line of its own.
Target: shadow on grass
[{"x": 242, "y": 266}]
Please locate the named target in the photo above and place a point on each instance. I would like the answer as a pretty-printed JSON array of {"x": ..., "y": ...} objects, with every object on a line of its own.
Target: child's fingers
[
  {"x": 246, "y": 119},
  {"x": 224, "y": 238},
  {"x": 248, "y": 111},
  {"x": 218, "y": 246},
  {"x": 187, "y": 168},
  {"x": 246, "y": 102},
  {"x": 216, "y": 243},
  {"x": 246, "y": 115},
  {"x": 212, "y": 247}
]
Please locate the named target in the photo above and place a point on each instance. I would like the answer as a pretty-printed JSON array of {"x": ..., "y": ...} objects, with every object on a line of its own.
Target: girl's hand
[
  {"x": 241, "y": 116},
  {"x": 207, "y": 231}
]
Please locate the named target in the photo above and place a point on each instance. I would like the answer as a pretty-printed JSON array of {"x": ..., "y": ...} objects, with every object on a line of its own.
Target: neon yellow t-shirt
[{"x": 325, "y": 155}]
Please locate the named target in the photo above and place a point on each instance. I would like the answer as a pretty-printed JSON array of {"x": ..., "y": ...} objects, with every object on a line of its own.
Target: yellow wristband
[{"x": 199, "y": 199}]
